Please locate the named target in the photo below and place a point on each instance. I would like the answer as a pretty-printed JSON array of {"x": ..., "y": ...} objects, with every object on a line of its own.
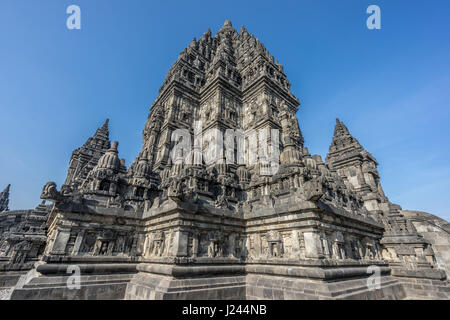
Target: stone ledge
[{"x": 87, "y": 268}]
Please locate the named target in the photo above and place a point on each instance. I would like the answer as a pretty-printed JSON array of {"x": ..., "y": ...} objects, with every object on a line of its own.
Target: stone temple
[{"x": 165, "y": 229}]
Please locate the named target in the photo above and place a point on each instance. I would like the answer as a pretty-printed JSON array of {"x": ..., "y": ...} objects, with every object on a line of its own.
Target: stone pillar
[
  {"x": 110, "y": 248},
  {"x": 361, "y": 178},
  {"x": 146, "y": 245},
  {"x": 78, "y": 242},
  {"x": 247, "y": 248},
  {"x": 296, "y": 182},
  {"x": 325, "y": 248},
  {"x": 348, "y": 249}
]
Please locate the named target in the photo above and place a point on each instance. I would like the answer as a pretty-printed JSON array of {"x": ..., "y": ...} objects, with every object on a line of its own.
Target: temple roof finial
[
  {"x": 103, "y": 131},
  {"x": 4, "y": 199},
  {"x": 341, "y": 130}
]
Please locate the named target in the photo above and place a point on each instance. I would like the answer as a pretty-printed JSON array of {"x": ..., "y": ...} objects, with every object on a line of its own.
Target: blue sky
[{"x": 390, "y": 86}]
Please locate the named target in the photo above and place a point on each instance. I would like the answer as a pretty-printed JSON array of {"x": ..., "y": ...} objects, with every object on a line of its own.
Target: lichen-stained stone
[{"x": 177, "y": 224}]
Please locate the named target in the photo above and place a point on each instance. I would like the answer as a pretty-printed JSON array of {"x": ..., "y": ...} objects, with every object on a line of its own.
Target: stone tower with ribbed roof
[
  {"x": 407, "y": 251},
  {"x": 259, "y": 218}
]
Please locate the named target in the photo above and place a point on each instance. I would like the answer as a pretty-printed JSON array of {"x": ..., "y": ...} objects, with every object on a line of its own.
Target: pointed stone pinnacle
[
  {"x": 342, "y": 141},
  {"x": 84, "y": 158}
]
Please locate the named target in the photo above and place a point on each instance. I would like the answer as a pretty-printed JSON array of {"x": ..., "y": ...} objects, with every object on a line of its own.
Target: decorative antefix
[{"x": 167, "y": 228}]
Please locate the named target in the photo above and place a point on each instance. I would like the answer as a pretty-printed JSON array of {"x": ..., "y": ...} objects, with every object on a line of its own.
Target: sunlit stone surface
[{"x": 164, "y": 229}]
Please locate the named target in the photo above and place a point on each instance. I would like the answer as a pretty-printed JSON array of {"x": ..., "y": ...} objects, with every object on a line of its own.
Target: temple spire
[
  {"x": 357, "y": 165},
  {"x": 100, "y": 139},
  {"x": 86, "y": 157},
  {"x": 227, "y": 23},
  {"x": 227, "y": 27},
  {"x": 343, "y": 140},
  {"x": 103, "y": 131},
  {"x": 340, "y": 130},
  {"x": 4, "y": 199}
]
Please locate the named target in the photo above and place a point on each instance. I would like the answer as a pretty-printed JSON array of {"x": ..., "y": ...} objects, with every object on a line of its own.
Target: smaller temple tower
[
  {"x": 407, "y": 251},
  {"x": 4, "y": 199},
  {"x": 357, "y": 166},
  {"x": 86, "y": 157}
]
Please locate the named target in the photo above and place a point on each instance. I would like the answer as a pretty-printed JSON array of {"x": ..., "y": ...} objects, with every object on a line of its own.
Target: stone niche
[{"x": 275, "y": 244}]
